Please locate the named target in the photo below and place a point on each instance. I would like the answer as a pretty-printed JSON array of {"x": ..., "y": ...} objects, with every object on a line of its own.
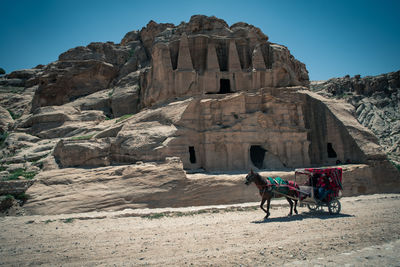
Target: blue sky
[{"x": 333, "y": 38}]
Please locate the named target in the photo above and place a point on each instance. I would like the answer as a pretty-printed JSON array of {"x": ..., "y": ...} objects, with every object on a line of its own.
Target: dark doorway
[
  {"x": 192, "y": 154},
  {"x": 257, "y": 154},
  {"x": 331, "y": 151},
  {"x": 224, "y": 86}
]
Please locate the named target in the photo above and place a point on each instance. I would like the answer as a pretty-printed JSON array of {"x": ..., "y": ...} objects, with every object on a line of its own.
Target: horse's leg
[
  {"x": 291, "y": 206},
  {"x": 296, "y": 195},
  {"x": 261, "y": 206},
  {"x": 268, "y": 204}
]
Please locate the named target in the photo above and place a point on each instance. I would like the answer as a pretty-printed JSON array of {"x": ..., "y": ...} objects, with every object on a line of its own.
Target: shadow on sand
[{"x": 304, "y": 215}]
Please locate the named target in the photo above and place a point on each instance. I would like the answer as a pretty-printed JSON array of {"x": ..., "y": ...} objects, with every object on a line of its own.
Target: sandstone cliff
[
  {"x": 376, "y": 100},
  {"x": 111, "y": 126}
]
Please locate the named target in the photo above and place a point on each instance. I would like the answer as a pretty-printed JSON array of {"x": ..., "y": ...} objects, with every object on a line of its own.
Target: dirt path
[{"x": 366, "y": 232}]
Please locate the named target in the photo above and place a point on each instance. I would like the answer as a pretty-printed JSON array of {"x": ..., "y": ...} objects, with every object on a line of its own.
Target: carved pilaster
[
  {"x": 184, "y": 59},
  {"x": 258, "y": 59},
  {"x": 233, "y": 59},
  {"x": 212, "y": 59}
]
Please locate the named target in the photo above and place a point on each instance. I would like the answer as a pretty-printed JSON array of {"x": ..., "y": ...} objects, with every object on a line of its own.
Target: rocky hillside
[
  {"x": 112, "y": 126},
  {"x": 376, "y": 100}
]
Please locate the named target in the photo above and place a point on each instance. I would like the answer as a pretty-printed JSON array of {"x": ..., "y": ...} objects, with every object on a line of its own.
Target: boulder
[
  {"x": 82, "y": 153},
  {"x": 96, "y": 101},
  {"x": 126, "y": 95},
  {"x": 142, "y": 141},
  {"x": 125, "y": 100},
  {"x": 50, "y": 114},
  {"x": 131, "y": 36},
  {"x": 65, "y": 81},
  {"x": 61, "y": 121}
]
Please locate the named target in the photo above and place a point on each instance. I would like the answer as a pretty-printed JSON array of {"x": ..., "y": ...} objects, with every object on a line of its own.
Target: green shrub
[
  {"x": 3, "y": 138},
  {"x": 12, "y": 89},
  {"x": 13, "y": 115},
  {"x": 83, "y": 137},
  {"x": 9, "y": 197},
  {"x": 124, "y": 117},
  {"x": 344, "y": 95},
  {"x": 20, "y": 172},
  {"x": 29, "y": 175},
  {"x": 396, "y": 165},
  {"x": 111, "y": 92},
  {"x": 22, "y": 196},
  {"x": 39, "y": 165},
  {"x": 2, "y": 71},
  {"x": 68, "y": 220},
  {"x": 154, "y": 216}
]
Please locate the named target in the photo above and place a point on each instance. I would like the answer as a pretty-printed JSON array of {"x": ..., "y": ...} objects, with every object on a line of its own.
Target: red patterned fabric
[
  {"x": 334, "y": 173},
  {"x": 293, "y": 185}
]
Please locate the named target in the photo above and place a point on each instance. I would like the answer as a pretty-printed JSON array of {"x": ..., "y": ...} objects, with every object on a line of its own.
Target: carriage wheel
[
  {"x": 334, "y": 206},
  {"x": 312, "y": 207}
]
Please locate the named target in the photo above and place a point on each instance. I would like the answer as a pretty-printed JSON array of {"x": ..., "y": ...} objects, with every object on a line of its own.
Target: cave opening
[
  {"x": 257, "y": 154},
  {"x": 331, "y": 151},
  {"x": 224, "y": 86},
  {"x": 192, "y": 155}
]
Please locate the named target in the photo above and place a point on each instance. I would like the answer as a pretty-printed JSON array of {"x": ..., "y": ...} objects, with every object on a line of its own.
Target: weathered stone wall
[
  {"x": 270, "y": 128},
  {"x": 292, "y": 128},
  {"x": 197, "y": 64}
]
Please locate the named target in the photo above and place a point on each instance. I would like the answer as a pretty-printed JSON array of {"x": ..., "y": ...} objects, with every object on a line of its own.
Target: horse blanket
[{"x": 278, "y": 185}]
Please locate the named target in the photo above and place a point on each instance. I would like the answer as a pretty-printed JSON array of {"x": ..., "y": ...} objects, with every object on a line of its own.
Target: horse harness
[
  {"x": 268, "y": 186},
  {"x": 272, "y": 184}
]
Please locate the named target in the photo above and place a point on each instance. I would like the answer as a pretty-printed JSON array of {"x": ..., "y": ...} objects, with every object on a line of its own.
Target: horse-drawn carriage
[
  {"x": 315, "y": 187},
  {"x": 322, "y": 187}
]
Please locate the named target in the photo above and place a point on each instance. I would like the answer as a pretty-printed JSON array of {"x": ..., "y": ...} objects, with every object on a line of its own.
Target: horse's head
[{"x": 250, "y": 177}]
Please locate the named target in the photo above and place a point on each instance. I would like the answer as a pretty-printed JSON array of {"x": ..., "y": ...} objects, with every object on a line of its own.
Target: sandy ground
[{"x": 367, "y": 232}]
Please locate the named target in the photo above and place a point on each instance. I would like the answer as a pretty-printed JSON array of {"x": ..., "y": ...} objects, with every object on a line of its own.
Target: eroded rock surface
[
  {"x": 100, "y": 125},
  {"x": 376, "y": 100}
]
